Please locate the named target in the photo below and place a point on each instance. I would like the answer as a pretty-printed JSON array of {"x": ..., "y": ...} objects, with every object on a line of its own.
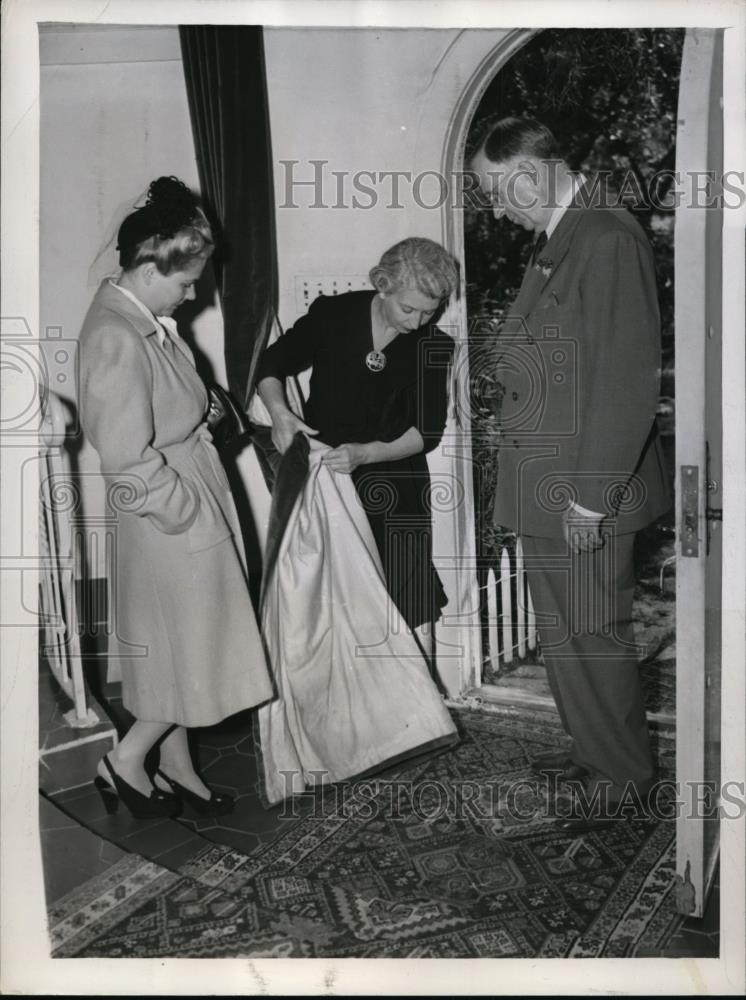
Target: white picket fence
[
  {"x": 60, "y": 634},
  {"x": 511, "y": 621}
]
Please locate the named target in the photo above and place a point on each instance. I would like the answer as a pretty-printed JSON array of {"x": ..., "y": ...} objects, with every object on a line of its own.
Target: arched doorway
[{"x": 698, "y": 120}]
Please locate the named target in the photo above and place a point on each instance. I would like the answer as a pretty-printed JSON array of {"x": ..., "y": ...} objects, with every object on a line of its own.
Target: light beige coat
[{"x": 185, "y": 633}]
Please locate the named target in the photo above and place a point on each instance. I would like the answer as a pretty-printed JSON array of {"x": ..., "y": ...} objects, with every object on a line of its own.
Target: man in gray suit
[{"x": 580, "y": 465}]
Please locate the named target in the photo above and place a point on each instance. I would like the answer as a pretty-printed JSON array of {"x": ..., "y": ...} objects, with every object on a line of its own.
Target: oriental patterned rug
[{"x": 457, "y": 856}]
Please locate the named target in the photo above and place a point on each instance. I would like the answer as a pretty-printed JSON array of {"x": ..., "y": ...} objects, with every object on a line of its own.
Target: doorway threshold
[{"x": 492, "y": 697}]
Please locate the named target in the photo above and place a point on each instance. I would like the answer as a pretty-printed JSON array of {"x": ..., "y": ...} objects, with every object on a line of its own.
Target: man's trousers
[{"x": 583, "y": 605}]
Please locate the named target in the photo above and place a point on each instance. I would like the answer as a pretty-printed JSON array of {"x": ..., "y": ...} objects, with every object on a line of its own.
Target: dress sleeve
[
  {"x": 431, "y": 395},
  {"x": 117, "y": 416},
  {"x": 296, "y": 349}
]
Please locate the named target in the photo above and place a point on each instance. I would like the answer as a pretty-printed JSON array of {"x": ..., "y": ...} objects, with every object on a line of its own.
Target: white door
[{"x": 698, "y": 325}]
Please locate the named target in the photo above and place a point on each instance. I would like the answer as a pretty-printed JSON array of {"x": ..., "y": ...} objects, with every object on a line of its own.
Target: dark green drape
[{"x": 227, "y": 92}]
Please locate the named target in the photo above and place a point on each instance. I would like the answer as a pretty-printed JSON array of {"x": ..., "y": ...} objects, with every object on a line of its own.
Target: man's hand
[
  {"x": 582, "y": 531},
  {"x": 285, "y": 426},
  {"x": 347, "y": 457}
]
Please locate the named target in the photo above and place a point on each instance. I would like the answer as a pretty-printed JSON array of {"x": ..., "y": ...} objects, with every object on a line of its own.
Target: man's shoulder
[
  {"x": 599, "y": 220},
  {"x": 602, "y": 212}
]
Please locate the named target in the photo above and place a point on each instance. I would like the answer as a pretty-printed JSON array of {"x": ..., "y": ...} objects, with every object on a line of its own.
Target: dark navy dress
[{"x": 348, "y": 404}]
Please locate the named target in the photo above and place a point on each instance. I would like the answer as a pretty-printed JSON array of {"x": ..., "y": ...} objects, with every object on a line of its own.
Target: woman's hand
[
  {"x": 285, "y": 425},
  {"x": 347, "y": 457}
]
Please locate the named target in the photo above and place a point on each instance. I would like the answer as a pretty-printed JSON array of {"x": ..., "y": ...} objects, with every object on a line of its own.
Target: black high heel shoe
[
  {"x": 141, "y": 806},
  {"x": 217, "y": 805}
]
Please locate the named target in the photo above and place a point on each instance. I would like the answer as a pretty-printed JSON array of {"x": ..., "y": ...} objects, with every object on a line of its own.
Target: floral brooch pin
[{"x": 545, "y": 265}]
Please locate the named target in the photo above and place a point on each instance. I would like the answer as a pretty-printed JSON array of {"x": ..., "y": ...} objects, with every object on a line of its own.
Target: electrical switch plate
[{"x": 309, "y": 286}]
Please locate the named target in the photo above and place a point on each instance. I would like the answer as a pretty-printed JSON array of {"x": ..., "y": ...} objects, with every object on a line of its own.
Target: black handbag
[{"x": 226, "y": 420}]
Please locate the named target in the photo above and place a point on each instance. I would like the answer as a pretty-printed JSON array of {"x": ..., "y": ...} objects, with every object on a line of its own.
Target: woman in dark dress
[
  {"x": 349, "y": 577},
  {"x": 378, "y": 396}
]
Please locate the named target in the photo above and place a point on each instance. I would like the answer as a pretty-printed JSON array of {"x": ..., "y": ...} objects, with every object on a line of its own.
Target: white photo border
[{"x": 26, "y": 966}]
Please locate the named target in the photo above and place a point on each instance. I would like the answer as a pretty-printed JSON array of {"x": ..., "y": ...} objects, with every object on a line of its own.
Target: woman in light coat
[{"x": 185, "y": 633}]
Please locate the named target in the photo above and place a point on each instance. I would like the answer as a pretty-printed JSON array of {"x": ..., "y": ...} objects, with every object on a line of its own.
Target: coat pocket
[
  {"x": 214, "y": 459},
  {"x": 552, "y": 320},
  {"x": 210, "y": 526}
]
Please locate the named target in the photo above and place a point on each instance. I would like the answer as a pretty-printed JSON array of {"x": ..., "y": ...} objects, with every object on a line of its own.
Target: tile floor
[
  {"x": 54, "y": 729},
  {"x": 227, "y": 762},
  {"x": 66, "y": 755},
  {"x": 71, "y": 854}
]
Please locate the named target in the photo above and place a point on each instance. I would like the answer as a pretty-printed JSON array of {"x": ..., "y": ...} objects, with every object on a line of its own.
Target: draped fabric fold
[
  {"x": 353, "y": 689},
  {"x": 226, "y": 87}
]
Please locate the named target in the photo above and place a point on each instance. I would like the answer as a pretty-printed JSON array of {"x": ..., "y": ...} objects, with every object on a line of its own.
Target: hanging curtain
[{"x": 227, "y": 92}]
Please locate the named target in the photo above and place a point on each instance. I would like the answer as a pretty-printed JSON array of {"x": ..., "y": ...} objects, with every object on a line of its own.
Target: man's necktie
[{"x": 539, "y": 243}]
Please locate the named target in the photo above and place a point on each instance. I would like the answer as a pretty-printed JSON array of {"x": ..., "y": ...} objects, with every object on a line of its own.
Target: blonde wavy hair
[{"x": 416, "y": 262}]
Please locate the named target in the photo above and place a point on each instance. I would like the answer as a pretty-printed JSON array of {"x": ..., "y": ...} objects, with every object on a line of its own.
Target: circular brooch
[{"x": 375, "y": 361}]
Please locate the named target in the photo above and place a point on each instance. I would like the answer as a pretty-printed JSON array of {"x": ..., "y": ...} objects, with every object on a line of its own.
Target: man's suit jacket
[{"x": 580, "y": 368}]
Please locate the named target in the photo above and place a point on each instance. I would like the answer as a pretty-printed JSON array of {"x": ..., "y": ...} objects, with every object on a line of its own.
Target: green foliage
[{"x": 610, "y": 97}]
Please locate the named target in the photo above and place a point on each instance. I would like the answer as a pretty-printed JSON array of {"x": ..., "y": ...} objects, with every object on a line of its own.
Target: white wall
[{"x": 355, "y": 99}]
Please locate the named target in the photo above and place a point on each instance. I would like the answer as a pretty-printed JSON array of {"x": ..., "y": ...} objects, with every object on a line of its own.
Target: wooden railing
[{"x": 58, "y": 565}]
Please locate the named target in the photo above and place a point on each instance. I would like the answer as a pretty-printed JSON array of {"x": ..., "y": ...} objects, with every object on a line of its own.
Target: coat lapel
[
  {"x": 557, "y": 246},
  {"x": 113, "y": 299}
]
